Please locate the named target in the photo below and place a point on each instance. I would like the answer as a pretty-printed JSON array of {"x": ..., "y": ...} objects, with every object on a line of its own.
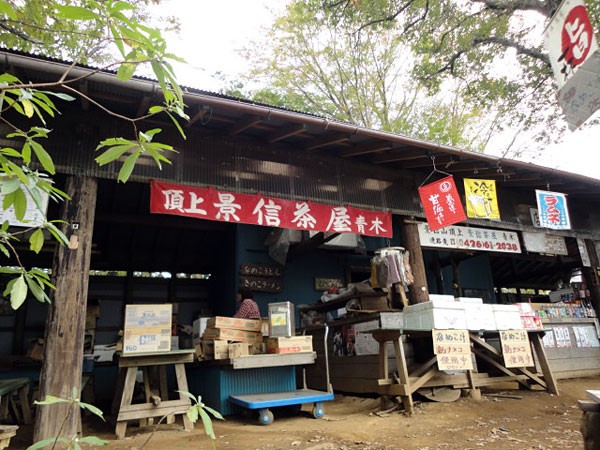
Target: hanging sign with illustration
[
  {"x": 481, "y": 199},
  {"x": 552, "y": 210},
  {"x": 257, "y": 209},
  {"x": 441, "y": 203}
]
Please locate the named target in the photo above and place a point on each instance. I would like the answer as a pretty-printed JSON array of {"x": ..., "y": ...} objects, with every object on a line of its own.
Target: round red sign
[{"x": 577, "y": 35}]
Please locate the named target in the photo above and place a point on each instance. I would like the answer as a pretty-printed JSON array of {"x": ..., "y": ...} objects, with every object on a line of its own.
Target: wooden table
[
  {"x": 157, "y": 402},
  {"x": 428, "y": 375},
  {"x": 8, "y": 389}
]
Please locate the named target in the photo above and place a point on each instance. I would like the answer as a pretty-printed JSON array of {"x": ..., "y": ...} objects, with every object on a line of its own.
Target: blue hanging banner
[{"x": 552, "y": 209}]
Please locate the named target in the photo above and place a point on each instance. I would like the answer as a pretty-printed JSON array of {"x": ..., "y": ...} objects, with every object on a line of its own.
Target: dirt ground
[{"x": 536, "y": 420}]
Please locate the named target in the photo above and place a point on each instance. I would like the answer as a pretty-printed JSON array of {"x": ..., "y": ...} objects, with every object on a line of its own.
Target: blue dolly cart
[{"x": 262, "y": 402}]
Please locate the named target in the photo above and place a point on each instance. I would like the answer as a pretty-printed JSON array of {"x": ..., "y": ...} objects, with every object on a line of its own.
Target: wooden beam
[
  {"x": 65, "y": 321},
  {"x": 286, "y": 132},
  {"x": 327, "y": 140},
  {"x": 396, "y": 155},
  {"x": 427, "y": 162},
  {"x": 243, "y": 124},
  {"x": 201, "y": 111},
  {"x": 363, "y": 149}
]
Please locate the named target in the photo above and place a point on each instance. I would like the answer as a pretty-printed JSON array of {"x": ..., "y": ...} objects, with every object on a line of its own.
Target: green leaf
[
  {"x": 6, "y": 8},
  {"x": 58, "y": 235},
  {"x": 26, "y": 153},
  {"x": 10, "y": 270},
  {"x": 181, "y": 132},
  {"x": 36, "y": 290},
  {"x": 20, "y": 204},
  {"x": 192, "y": 414},
  {"x": 9, "y": 287},
  {"x": 113, "y": 141},
  {"x": 93, "y": 440},
  {"x": 27, "y": 107},
  {"x": 18, "y": 293},
  {"x": 214, "y": 412},
  {"x": 92, "y": 409},
  {"x": 51, "y": 400},
  {"x": 114, "y": 153},
  {"x": 66, "y": 97},
  {"x": 36, "y": 240},
  {"x": 156, "y": 109},
  {"x": 207, "y": 423},
  {"x": 75, "y": 13},
  {"x": 43, "y": 157},
  {"x": 45, "y": 442},
  {"x": 126, "y": 71},
  {"x": 128, "y": 166},
  {"x": 10, "y": 185},
  {"x": 4, "y": 250},
  {"x": 187, "y": 394}
]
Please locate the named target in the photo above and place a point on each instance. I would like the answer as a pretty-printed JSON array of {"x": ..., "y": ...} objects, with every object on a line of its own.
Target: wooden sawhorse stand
[
  {"x": 156, "y": 405},
  {"x": 407, "y": 383},
  {"x": 8, "y": 390}
]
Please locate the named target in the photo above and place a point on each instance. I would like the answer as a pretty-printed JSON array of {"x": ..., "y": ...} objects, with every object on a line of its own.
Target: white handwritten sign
[
  {"x": 516, "y": 349},
  {"x": 467, "y": 238},
  {"x": 453, "y": 349}
]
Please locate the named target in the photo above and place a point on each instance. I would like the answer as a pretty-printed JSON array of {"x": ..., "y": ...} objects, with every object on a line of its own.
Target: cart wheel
[
  {"x": 318, "y": 411},
  {"x": 265, "y": 417}
]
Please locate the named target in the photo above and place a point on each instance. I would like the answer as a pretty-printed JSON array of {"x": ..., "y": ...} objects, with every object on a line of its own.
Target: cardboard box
[
  {"x": 441, "y": 298},
  {"x": 435, "y": 314},
  {"x": 233, "y": 335},
  {"x": 379, "y": 303},
  {"x": 469, "y": 299},
  {"x": 147, "y": 329},
  {"x": 238, "y": 349},
  {"x": 214, "y": 349},
  {"x": 294, "y": 344},
  {"x": 232, "y": 323}
]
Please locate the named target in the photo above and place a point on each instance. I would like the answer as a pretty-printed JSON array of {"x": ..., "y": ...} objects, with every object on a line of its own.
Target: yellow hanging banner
[{"x": 481, "y": 199}]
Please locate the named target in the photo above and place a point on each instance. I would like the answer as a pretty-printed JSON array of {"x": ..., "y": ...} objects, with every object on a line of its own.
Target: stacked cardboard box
[
  {"x": 294, "y": 344},
  {"x": 147, "y": 328},
  {"x": 228, "y": 337}
]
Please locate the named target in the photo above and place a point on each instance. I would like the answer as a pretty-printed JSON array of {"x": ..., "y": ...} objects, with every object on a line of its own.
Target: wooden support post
[
  {"x": 419, "y": 292},
  {"x": 65, "y": 322}
]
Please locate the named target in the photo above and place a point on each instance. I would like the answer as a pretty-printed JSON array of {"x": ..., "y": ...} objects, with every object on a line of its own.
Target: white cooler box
[
  {"x": 442, "y": 315},
  {"x": 507, "y": 317},
  {"x": 480, "y": 316}
]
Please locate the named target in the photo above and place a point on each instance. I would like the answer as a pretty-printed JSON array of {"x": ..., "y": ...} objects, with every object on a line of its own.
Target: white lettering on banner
[
  {"x": 466, "y": 238},
  {"x": 174, "y": 199},
  {"x": 360, "y": 224},
  {"x": 227, "y": 209},
  {"x": 267, "y": 211},
  {"x": 195, "y": 200},
  {"x": 376, "y": 226},
  {"x": 302, "y": 218},
  {"x": 438, "y": 209},
  {"x": 339, "y": 220},
  {"x": 450, "y": 202}
]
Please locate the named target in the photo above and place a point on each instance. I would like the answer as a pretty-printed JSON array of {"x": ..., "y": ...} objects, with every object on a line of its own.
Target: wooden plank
[
  {"x": 422, "y": 380},
  {"x": 144, "y": 410},
  {"x": 182, "y": 386},
  {"x": 498, "y": 366},
  {"x": 156, "y": 359},
  {"x": 127, "y": 395},
  {"x": 291, "y": 359},
  {"x": 538, "y": 346}
]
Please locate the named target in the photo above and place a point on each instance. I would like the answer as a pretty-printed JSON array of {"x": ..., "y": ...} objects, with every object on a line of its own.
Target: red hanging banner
[
  {"x": 441, "y": 203},
  {"x": 256, "y": 209}
]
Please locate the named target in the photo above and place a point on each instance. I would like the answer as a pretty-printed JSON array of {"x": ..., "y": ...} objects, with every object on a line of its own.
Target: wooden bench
[
  {"x": 7, "y": 432},
  {"x": 14, "y": 394}
]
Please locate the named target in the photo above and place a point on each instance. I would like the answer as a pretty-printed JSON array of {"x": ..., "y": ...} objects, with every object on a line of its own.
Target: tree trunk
[
  {"x": 418, "y": 291},
  {"x": 65, "y": 322}
]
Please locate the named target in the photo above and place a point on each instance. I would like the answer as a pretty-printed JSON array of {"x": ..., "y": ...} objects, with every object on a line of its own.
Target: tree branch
[
  {"x": 521, "y": 49},
  {"x": 543, "y": 7}
]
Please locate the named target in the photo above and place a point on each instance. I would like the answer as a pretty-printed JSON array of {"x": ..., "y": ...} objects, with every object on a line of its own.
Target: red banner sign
[
  {"x": 256, "y": 209},
  {"x": 441, "y": 203}
]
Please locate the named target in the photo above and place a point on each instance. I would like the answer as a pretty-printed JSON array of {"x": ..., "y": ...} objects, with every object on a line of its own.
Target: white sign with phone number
[{"x": 466, "y": 238}]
